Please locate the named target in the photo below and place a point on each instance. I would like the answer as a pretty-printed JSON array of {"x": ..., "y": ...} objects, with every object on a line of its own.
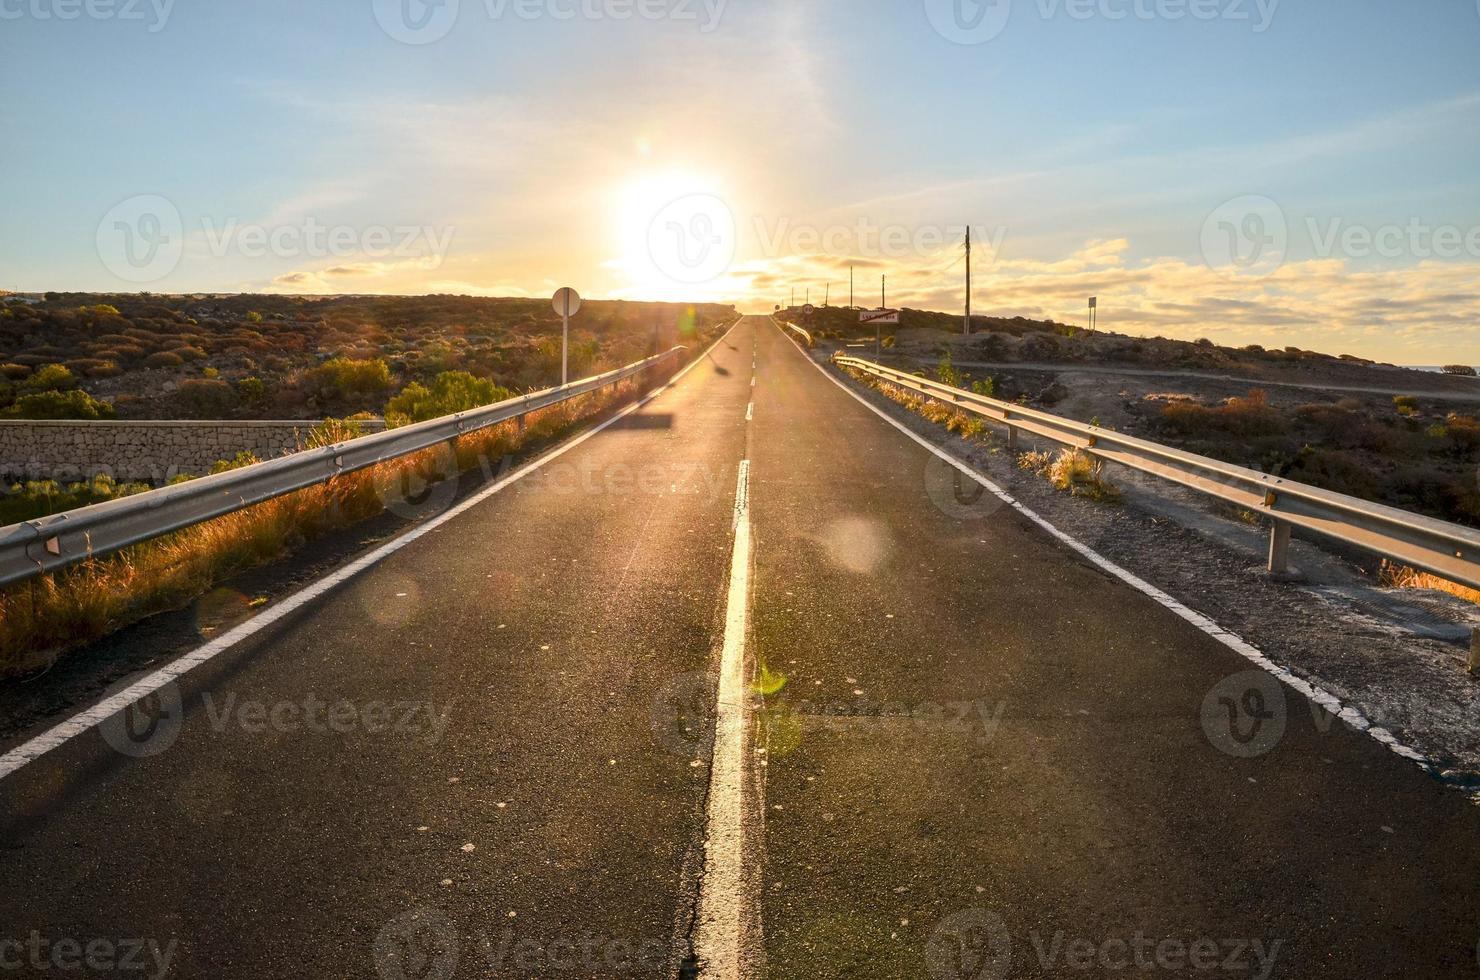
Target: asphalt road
[{"x": 967, "y": 752}]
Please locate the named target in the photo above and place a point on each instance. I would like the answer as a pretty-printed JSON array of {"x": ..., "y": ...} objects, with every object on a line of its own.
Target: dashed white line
[
  {"x": 719, "y": 936},
  {"x": 33, "y": 749},
  {"x": 750, "y": 412}
]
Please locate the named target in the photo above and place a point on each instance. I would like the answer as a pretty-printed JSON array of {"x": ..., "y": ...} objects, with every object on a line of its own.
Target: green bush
[
  {"x": 242, "y": 459},
  {"x": 51, "y": 377},
  {"x": 946, "y": 372},
  {"x": 76, "y": 404},
  {"x": 251, "y": 390},
  {"x": 33, "y": 499},
  {"x": 345, "y": 380},
  {"x": 451, "y": 391},
  {"x": 207, "y": 397}
]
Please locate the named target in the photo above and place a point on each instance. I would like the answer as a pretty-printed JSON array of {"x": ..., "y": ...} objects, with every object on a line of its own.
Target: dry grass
[
  {"x": 44, "y": 617},
  {"x": 961, "y": 423},
  {"x": 1398, "y": 576},
  {"x": 1070, "y": 470},
  {"x": 1073, "y": 472}
]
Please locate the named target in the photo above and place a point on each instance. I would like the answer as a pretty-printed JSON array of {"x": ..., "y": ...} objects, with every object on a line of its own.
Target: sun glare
[{"x": 674, "y": 236}]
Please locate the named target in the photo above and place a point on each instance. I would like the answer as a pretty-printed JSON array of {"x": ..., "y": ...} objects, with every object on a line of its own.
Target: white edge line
[
  {"x": 79, "y": 723},
  {"x": 1233, "y": 641},
  {"x": 718, "y": 937}
]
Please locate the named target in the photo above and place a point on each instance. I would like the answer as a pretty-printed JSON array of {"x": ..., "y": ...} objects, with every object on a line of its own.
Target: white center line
[
  {"x": 718, "y": 940},
  {"x": 750, "y": 412}
]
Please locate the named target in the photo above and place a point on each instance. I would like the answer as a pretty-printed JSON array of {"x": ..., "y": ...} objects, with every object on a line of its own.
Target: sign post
[
  {"x": 1094, "y": 303},
  {"x": 566, "y": 302},
  {"x": 878, "y": 318}
]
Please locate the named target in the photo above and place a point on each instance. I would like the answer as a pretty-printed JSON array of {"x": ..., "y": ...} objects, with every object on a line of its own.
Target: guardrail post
[
  {"x": 1279, "y": 547},
  {"x": 1012, "y": 438}
]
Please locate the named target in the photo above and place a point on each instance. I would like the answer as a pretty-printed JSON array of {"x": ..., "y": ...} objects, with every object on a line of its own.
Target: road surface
[{"x": 925, "y": 738}]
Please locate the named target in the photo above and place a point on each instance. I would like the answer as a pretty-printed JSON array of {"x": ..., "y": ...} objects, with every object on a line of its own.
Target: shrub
[
  {"x": 1407, "y": 405},
  {"x": 163, "y": 359},
  {"x": 1463, "y": 370},
  {"x": 33, "y": 499},
  {"x": 451, "y": 391},
  {"x": 206, "y": 397},
  {"x": 242, "y": 459},
  {"x": 345, "y": 380},
  {"x": 1462, "y": 431},
  {"x": 14, "y": 371},
  {"x": 51, "y": 377},
  {"x": 75, "y": 404},
  {"x": 251, "y": 390},
  {"x": 1246, "y": 416},
  {"x": 1074, "y": 472},
  {"x": 946, "y": 373},
  {"x": 254, "y": 317}
]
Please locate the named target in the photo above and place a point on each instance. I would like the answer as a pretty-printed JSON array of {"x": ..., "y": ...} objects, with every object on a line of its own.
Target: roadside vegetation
[
  {"x": 90, "y": 356},
  {"x": 43, "y": 618},
  {"x": 1399, "y": 576},
  {"x": 1069, "y": 470},
  {"x": 1414, "y": 452},
  {"x": 37, "y": 498},
  {"x": 1073, "y": 472}
]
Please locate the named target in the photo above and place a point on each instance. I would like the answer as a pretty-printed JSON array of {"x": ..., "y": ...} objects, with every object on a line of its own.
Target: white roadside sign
[{"x": 878, "y": 316}]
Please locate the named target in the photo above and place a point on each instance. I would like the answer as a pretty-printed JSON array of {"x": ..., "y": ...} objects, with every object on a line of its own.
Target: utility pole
[
  {"x": 792, "y": 305},
  {"x": 827, "y": 295},
  {"x": 968, "y": 280},
  {"x": 809, "y": 295},
  {"x": 883, "y": 293},
  {"x": 850, "y": 287}
]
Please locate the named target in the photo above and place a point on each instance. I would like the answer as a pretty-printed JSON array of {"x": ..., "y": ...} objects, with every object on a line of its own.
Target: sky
[{"x": 1252, "y": 171}]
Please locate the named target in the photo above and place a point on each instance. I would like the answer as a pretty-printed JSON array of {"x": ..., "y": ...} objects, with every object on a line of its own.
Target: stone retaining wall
[{"x": 153, "y": 451}]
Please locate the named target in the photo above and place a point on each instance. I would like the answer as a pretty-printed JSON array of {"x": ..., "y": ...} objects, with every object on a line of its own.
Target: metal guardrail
[
  {"x": 798, "y": 331},
  {"x": 54, "y": 542},
  {"x": 1448, "y": 550}
]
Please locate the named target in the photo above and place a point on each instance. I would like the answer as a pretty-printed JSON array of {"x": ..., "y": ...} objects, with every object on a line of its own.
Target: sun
[{"x": 675, "y": 236}]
